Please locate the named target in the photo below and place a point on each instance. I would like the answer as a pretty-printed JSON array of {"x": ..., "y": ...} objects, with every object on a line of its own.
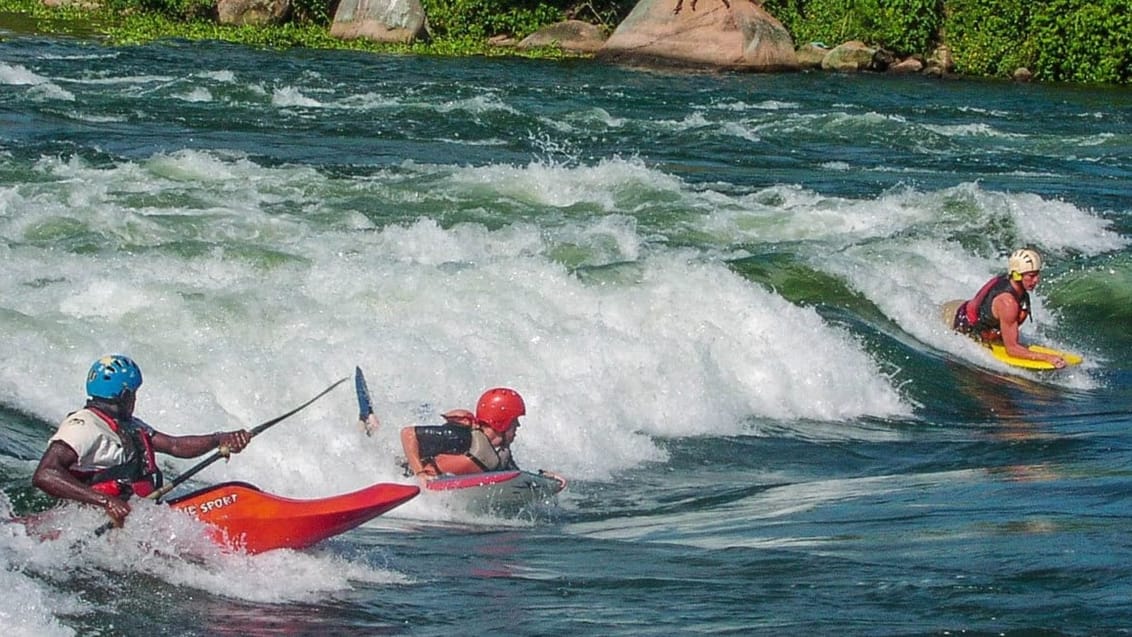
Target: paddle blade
[{"x": 367, "y": 420}]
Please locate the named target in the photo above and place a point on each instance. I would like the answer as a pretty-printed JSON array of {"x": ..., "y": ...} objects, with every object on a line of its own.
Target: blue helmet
[{"x": 111, "y": 375}]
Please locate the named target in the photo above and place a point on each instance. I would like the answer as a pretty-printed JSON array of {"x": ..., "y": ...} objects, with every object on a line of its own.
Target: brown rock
[
  {"x": 725, "y": 34},
  {"x": 941, "y": 58},
  {"x": 398, "y": 21},
  {"x": 501, "y": 41},
  {"x": 907, "y": 65},
  {"x": 253, "y": 12},
  {"x": 849, "y": 56},
  {"x": 571, "y": 35},
  {"x": 810, "y": 55}
]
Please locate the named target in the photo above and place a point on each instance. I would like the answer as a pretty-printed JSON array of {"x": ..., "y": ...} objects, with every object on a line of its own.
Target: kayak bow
[{"x": 244, "y": 517}]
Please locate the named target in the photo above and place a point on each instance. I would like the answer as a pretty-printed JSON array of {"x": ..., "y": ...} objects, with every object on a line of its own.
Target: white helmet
[{"x": 1024, "y": 260}]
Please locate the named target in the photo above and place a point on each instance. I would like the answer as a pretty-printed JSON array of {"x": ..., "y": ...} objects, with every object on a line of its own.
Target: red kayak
[
  {"x": 501, "y": 491},
  {"x": 242, "y": 516},
  {"x": 543, "y": 483}
]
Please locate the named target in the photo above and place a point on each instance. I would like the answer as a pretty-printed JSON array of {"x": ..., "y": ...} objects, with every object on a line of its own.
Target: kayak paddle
[
  {"x": 366, "y": 418},
  {"x": 223, "y": 453}
]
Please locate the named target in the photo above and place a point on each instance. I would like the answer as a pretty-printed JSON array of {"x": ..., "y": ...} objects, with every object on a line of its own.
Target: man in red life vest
[
  {"x": 1000, "y": 307},
  {"x": 467, "y": 442},
  {"x": 102, "y": 454}
]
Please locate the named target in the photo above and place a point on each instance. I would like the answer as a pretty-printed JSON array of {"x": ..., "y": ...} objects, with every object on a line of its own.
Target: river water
[{"x": 718, "y": 293}]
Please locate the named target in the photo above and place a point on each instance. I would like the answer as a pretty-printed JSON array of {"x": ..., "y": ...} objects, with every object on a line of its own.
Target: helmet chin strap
[
  {"x": 120, "y": 408},
  {"x": 1017, "y": 277}
]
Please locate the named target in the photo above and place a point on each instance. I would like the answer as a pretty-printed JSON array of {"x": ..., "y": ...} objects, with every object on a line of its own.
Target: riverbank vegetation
[
  {"x": 457, "y": 28},
  {"x": 1057, "y": 40}
]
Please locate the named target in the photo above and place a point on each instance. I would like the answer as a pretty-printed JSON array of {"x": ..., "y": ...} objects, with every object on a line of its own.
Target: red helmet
[{"x": 499, "y": 407}]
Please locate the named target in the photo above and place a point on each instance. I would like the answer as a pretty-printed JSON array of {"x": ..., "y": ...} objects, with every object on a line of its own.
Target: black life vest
[{"x": 480, "y": 451}]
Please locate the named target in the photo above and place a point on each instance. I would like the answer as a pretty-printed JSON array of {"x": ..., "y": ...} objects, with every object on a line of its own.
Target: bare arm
[
  {"x": 193, "y": 446},
  {"x": 1005, "y": 309},
  {"x": 53, "y": 478},
  {"x": 413, "y": 453}
]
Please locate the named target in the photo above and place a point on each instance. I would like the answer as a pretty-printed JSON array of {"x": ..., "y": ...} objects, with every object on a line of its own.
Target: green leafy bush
[
  {"x": 483, "y": 19},
  {"x": 902, "y": 26},
  {"x": 1083, "y": 41},
  {"x": 989, "y": 37},
  {"x": 316, "y": 12},
  {"x": 1074, "y": 40},
  {"x": 826, "y": 21},
  {"x": 176, "y": 9}
]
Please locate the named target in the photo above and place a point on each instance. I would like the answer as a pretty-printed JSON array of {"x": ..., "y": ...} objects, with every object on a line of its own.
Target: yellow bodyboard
[{"x": 999, "y": 352}]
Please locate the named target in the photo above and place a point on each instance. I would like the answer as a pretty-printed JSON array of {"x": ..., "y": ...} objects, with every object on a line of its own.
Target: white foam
[
  {"x": 197, "y": 94},
  {"x": 39, "y": 87},
  {"x": 249, "y": 293},
  {"x": 19, "y": 74},
  {"x": 168, "y": 545},
  {"x": 290, "y": 96}
]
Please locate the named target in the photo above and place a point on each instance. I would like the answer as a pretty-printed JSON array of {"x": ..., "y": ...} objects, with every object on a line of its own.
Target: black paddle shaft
[{"x": 158, "y": 494}]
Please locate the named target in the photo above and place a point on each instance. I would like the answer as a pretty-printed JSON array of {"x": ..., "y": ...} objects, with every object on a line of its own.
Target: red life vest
[
  {"x": 976, "y": 316},
  {"x": 139, "y": 474}
]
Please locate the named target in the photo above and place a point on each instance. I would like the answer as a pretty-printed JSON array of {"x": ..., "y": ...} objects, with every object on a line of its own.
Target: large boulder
[
  {"x": 940, "y": 62},
  {"x": 850, "y": 56},
  {"x": 255, "y": 13},
  {"x": 911, "y": 64},
  {"x": 399, "y": 21},
  {"x": 572, "y": 35},
  {"x": 810, "y": 55},
  {"x": 724, "y": 34}
]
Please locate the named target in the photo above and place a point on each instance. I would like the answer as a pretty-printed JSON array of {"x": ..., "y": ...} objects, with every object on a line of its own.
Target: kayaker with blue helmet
[
  {"x": 997, "y": 311},
  {"x": 102, "y": 454},
  {"x": 467, "y": 442}
]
